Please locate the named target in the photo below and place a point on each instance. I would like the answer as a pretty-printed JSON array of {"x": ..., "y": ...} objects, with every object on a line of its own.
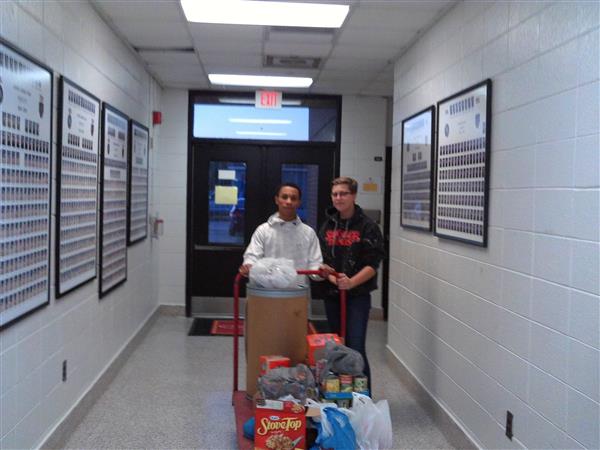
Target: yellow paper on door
[{"x": 226, "y": 195}]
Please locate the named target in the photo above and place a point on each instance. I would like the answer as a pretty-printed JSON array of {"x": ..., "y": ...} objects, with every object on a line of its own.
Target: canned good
[
  {"x": 361, "y": 383},
  {"x": 345, "y": 383},
  {"x": 332, "y": 384},
  {"x": 320, "y": 370}
]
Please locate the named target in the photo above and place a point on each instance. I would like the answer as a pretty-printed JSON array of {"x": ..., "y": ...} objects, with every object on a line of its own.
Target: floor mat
[
  {"x": 214, "y": 327},
  {"x": 218, "y": 327}
]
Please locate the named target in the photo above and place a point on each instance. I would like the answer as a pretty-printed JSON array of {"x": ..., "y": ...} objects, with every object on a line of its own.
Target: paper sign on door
[{"x": 226, "y": 195}]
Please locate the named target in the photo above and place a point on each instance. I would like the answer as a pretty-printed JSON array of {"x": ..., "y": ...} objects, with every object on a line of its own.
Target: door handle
[{"x": 216, "y": 248}]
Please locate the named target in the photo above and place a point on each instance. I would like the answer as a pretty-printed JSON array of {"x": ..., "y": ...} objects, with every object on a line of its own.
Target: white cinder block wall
[
  {"x": 513, "y": 326},
  {"x": 170, "y": 187},
  {"x": 89, "y": 333},
  {"x": 364, "y": 121},
  {"x": 363, "y": 138}
]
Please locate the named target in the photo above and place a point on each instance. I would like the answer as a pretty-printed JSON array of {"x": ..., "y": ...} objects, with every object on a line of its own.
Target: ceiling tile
[
  {"x": 215, "y": 32},
  {"x": 218, "y": 62},
  {"x": 169, "y": 57},
  {"x": 394, "y": 15},
  {"x": 355, "y": 64},
  {"x": 141, "y": 10},
  {"x": 290, "y": 49},
  {"x": 374, "y": 51},
  {"x": 376, "y": 36},
  {"x": 155, "y": 35},
  {"x": 307, "y": 36},
  {"x": 227, "y": 46}
]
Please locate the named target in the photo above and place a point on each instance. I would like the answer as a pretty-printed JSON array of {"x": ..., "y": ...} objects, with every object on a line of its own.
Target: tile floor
[{"x": 175, "y": 392}]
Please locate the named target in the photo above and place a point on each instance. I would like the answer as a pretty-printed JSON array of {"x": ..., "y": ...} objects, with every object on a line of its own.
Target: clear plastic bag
[
  {"x": 371, "y": 422},
  {"x": 273, "y": 273}
]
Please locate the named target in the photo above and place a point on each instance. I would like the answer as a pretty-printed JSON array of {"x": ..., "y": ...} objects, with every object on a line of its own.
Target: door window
[
  {"x": 306, "y": 176},
  {"x": 226, "y": 202}
]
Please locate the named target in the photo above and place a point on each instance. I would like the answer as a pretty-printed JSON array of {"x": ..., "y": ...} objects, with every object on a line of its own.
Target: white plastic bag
[
  {"x": 273, "y": 273},
  {"x": 371, "y": 422}
]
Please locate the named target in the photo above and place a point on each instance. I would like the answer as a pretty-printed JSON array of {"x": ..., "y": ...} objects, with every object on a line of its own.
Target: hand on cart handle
[{"x": 244, "y": 270}]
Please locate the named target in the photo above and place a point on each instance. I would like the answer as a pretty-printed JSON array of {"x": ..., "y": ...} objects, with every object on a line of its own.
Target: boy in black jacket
[{"x": 352, "y": 244}]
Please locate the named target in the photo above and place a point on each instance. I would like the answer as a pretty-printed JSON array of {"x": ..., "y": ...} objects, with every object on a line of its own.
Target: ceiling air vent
[{"x": 291, "y": 62}]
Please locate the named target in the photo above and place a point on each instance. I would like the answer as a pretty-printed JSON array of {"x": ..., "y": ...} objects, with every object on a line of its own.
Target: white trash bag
[
  {"x": 273, "y": 273},
  {"x": 371, "y": 422}
]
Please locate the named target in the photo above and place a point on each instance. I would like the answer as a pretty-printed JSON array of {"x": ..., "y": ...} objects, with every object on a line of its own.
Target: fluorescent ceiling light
[
  {"x": 261, "y": 121},
  {"x": 239, "y": 12},
  {"x": 259, "y": 80},
  {"x": 260, "y": 133},
  {"x": 252, "y": 101}
]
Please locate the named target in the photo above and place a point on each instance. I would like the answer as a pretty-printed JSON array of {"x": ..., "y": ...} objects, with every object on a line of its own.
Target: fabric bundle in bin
[
  {"x": 296, "y": 381},
  {"x": 342, "y": 359},
  {"x": 274, "y": 273}
]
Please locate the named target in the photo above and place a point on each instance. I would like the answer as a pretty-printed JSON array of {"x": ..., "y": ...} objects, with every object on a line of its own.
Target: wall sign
[
  {"x": 113, "y": 199},
  {"x": 417, "y": 170},
  {"x": 137, "y": 220},
  {"x": 463, "y": 149},
  {"x": 77, "y": 187},
  {"x": 25, "y": 177}
]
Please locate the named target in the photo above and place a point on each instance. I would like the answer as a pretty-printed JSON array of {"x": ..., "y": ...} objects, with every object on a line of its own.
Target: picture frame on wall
[
  {"x": 137, "y": 198},
  {"x": 462, "y": 156},
  {"x": 113, "y": 199},
  {"x": 26, "y": 91},
  {"x": 417, "y": 162},
  {"x": 77, "y": 187}
]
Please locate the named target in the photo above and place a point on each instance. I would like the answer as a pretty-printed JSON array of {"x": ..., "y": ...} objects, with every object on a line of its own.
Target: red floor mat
[{"x": 225, "y": 327}]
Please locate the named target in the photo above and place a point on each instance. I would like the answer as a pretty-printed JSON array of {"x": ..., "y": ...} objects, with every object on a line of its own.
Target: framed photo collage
[
  {"x": 101, "y": 179},
  {"x": 445, "y": 166}
]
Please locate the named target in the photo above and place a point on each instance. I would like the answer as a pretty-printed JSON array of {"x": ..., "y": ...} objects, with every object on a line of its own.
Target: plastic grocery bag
[
  {"x": 273, "y": 273},
  {"x": 335, "y": 430},
  {"x": 342, "y": 359},
  {"x": 296, "y": 381},
  {"x": 371, "y": 422}
]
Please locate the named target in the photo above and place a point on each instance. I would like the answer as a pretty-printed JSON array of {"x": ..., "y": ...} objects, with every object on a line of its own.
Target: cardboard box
[
  {"x": 268, "y": 362},
  {"x": 316, "y": 345},
  {"x": 274, "y": 326},
  {"x": 279, "y": 425}
]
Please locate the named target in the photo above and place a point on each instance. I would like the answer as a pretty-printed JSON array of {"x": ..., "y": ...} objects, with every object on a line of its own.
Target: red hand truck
[{"x": 241, "y": 404}]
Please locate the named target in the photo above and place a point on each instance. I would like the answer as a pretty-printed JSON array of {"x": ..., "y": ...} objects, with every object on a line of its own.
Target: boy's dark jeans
[{"x": 357, "y": 318}]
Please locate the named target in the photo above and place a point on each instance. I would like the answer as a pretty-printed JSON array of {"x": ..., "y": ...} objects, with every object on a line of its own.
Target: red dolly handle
[{"x": 236, "y": 313}]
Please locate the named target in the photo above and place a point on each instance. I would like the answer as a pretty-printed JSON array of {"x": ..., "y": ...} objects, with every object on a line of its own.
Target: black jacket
[{"x": 350, "y": 245}]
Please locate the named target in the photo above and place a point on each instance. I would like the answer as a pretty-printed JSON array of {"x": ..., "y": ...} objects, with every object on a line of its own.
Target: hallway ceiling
[{"x": 355, "y": 59}]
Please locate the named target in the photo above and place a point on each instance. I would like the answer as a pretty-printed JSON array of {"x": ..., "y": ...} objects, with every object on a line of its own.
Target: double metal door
[{"x": 231, "y": 191}]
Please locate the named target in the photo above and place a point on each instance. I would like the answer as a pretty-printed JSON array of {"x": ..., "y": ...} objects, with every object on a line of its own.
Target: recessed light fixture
[
  {"x": 259, "y": 80},
  {"x": 240, "y": 12},
  {"x": 261, "y": 121}
]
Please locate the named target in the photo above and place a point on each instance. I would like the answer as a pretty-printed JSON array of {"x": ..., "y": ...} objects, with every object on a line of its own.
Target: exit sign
[{"x": 268, "y": 99}]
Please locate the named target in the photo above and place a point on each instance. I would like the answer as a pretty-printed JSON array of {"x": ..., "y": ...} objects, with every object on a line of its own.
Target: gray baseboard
[
  {"x": 58, "y": 438},
  {"x": 451, "y": 431}
]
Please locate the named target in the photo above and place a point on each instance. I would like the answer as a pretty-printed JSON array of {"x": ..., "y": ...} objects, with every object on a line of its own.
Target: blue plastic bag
[{"x": 335, "y": 431}]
